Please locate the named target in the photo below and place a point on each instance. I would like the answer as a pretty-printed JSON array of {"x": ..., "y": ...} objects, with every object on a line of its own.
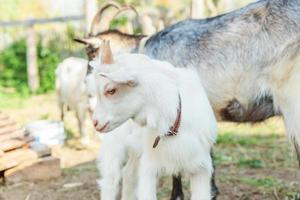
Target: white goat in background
[
  {"x": 72, "y": 91},
  {"x": 167, "y": 101}
]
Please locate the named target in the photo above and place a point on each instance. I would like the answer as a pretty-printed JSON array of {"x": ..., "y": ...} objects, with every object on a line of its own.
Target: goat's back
[{"x": 70, "y": 75}]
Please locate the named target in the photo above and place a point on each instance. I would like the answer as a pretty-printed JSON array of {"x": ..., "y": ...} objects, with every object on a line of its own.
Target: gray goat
[{"x": 247, "y": 59}]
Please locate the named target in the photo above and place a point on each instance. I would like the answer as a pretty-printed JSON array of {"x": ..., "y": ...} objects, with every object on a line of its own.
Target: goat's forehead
[
  {"x": 102, "y": 82},
  {"x": 128, "y": 61}
]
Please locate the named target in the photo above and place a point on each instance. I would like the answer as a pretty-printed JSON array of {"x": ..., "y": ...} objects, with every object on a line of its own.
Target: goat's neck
[
  {"x": 122, "y": 43},
  {"x": 161, "y": 107}
]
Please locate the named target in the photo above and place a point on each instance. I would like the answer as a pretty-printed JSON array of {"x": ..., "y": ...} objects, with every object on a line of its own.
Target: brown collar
[{"x": 173, "y": 130}]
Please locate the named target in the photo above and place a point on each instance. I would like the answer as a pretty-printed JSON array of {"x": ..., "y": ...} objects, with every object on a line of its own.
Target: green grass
[
  {"x": 249, "y": 158},
  {"x": 10, "y": 99},
  {"x": 251, "y": 163},
  {"x": 267, "y": 182}
]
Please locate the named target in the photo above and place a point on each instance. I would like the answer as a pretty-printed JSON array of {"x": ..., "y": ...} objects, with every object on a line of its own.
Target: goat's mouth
[{"x": 102, "y": 129}]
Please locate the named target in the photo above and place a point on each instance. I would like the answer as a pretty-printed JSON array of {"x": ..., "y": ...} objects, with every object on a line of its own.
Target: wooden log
[
  {"x": 41, "y": 169},
  {"x": 11, "y": 144},
  {"x": 14, "y": 158}
]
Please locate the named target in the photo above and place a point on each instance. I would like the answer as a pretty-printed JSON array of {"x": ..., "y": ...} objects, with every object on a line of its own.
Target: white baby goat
[
  {"x": 72, "y": 91},
  {"x": 167, "y": 101}
]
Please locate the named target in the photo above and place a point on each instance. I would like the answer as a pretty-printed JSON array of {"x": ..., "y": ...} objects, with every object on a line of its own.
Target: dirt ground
[{"x": 253, "y": 162}]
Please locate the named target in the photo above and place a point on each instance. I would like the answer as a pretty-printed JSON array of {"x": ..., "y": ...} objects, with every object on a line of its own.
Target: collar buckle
[{"x": 173, "y": 130}]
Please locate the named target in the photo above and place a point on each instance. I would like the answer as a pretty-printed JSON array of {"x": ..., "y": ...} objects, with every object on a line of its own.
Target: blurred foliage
[
  {"x": 121, "y": 21},
  {"x": 50, "y": 52},
  {"x": 20, "y": 9},
  {"x": 13, "y": 67},
  {"x": 13, "y": 71}
]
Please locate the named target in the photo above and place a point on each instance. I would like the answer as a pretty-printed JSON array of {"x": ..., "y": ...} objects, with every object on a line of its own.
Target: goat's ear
[
  {"x": 94, "y": 41},
  {"x": 82, "y": 41},
  {"x": 121, "y": 77},
  {"x": 106, "y": 54}
]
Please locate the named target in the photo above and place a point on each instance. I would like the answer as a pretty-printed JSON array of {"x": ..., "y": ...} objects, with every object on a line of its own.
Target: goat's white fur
[
  {"x": 72, "y": 91},
  {"x": 153, "y": 103}
]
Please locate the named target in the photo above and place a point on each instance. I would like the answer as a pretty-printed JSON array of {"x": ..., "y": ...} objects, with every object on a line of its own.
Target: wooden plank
[
  {"x": 11, "y": 144},
  {"x": 7, "y": 122},
  {"x": 3, "y": 117},
  {"x": 41, "y": 169},
  {"x": 9, "y": 129},
  {"x": 16, "y": 134},
  {"x": 31, "y": 22},
  {"x": 16, "y": 157}
]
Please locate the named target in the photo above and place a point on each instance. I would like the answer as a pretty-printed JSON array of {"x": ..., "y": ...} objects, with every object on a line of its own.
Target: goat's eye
[{"x": 111, "y": 92}]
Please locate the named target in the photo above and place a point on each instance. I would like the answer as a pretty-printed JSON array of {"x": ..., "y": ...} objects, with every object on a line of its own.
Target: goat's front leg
[
  {"x": 201, "y": 185},
  {"x": 130, "y": 177},
  {"x": 110, "y": 168},
  {"x": 147, "y": 179},
  {"x": 110, "y": 162}
]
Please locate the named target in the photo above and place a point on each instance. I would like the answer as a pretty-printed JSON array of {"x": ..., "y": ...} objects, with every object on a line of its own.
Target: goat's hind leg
[
  {"x": 80, "y": 115},
  {"x": 61, "y": 108},
  {"x": 177, "y": 193},
  {"x": 214, "y": 187},
  {"x": 291, "y": 115},
  {"x": 287, "y": 97}
]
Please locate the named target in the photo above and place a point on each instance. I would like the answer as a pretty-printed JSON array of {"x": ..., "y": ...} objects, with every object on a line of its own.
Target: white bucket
[{"x": 47, "y": 132}]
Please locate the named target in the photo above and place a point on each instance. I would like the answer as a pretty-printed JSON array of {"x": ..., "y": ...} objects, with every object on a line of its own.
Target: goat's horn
[
  {"x": 125, "y": 8},
  {"x": 98, "y": 16},
  {"x": 106, "y": 54}
]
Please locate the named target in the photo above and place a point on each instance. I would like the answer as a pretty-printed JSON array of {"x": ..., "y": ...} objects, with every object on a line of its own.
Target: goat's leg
[
  {"x": 214, "y": 187},
  {"x": 61, "y": 107},
  {"x": 291, "y": 116},
  {"x": 109, "y": 184},
  {"x": 201, "y": 185},
  {"x": 130, "y": 178},
  {"x": 287, "y": 98},
  {"x": 80, "y": 114},
  {"x": 109, "y": 163},
  {"x": 177, "y": 193},
  {"x": 147, "y": 180}
]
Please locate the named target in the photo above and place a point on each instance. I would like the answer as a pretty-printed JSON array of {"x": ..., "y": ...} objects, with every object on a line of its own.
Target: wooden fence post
[
  {"x": 32, "y": 67},
  {"x": 91, "y": 8},
  {"x": 198, "y": 9}
]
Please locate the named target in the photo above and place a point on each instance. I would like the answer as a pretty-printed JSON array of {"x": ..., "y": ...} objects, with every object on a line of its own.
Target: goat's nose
[{"x": 95, "y": 122}]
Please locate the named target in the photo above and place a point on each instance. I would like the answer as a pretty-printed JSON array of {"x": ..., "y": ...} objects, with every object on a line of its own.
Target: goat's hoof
[
  {"x": 85, "y": 141},
  {"x": 177, "y": 198}
]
